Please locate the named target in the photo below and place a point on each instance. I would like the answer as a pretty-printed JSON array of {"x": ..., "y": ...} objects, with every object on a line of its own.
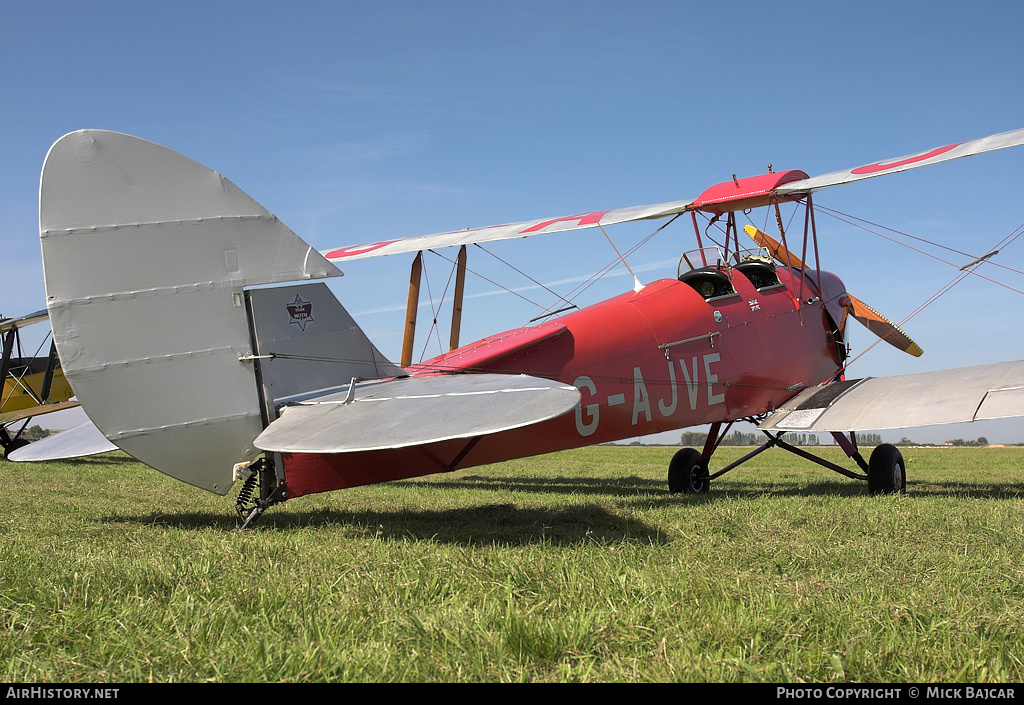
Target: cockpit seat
[
  {"x": 709, "y": 282},
  {"x": 760, "y": 273}
]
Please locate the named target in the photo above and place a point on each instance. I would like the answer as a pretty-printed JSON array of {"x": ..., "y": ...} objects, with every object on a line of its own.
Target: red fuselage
[{"x": 659, "y": 359}]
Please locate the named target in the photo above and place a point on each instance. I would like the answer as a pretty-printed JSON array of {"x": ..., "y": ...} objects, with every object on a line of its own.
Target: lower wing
[{"x": 977, "y": 393}]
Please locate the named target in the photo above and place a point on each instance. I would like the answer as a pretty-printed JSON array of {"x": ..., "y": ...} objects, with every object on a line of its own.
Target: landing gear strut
[
  {"x": 885, "y": 472},
  {"x": 10, "y": 444}
]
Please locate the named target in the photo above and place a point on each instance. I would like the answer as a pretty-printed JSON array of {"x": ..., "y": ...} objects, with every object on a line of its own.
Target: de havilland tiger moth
[{"x": 198, "y": 336}]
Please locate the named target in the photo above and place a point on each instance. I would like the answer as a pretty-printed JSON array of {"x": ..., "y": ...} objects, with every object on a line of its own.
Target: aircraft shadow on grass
[
  {"x": 118, "y": 458},
  {"x": 483, "y": 525},
  {"x": 507, "y": 524}
]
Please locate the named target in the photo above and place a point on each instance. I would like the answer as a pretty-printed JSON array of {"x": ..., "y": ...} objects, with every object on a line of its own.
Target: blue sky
[{"x": 357, "y": 122}]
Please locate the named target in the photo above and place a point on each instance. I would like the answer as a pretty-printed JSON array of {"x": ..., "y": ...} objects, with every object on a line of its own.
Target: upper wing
[
  {"x": 977, "y": 393},
  {"x": 911, "y": 161},
  {"x": 592, "y": 219},
  {"x": 578, "y": 221},
  {"x": 412, "y": 411}
]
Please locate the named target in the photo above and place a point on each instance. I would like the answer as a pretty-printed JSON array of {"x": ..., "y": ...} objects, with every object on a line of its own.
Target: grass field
[{"x": 578, "y": 566}]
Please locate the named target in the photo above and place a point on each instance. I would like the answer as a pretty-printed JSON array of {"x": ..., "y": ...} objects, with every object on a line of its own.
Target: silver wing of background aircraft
[
  {"x": 7, "y": 323},
  {"x": 76, "y": 442}
]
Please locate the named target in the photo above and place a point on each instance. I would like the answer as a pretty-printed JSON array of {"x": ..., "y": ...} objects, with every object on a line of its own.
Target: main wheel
[
  {"x": 887, "y": 473},
  {"x": 688, "y": 472}
]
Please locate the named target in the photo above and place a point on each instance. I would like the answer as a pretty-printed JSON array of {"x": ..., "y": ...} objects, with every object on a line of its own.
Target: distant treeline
[
  {"x": 695, "y": 439},
  {"x": 34, "y": 433},
  {"x": 982, "y": 441},
  {"x": 738, "y": 438}
]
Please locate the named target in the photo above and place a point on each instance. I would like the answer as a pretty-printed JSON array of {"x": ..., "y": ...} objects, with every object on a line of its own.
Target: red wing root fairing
[{"x": 222, "y": 368}]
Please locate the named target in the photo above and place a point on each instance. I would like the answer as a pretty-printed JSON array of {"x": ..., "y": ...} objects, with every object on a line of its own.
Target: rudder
[{"x": 146, "y": 255}]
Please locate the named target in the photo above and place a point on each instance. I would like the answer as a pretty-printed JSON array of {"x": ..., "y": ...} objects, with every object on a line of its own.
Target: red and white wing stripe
[
  {"x": 509, "y": 231},
  {"x": 911, "y": 161}
]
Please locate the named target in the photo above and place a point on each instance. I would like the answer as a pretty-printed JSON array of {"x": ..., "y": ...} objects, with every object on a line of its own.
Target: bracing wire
[
  {"x": 434, "y": 331},
  {"x": 575, "y": 292},
  {"x": 962, "y": 271},
  {"x": 867, "y": 227}
]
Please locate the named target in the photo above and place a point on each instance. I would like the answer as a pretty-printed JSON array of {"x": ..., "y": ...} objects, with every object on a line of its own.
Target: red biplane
[{"x": 158, "y": 279}]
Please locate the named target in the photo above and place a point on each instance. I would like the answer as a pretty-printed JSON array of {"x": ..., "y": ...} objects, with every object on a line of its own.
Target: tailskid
[{"x": 259, "y": 476}]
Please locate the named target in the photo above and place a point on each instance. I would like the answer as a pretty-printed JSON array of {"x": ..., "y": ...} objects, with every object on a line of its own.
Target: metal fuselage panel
[{"x": 645, "y": 362}]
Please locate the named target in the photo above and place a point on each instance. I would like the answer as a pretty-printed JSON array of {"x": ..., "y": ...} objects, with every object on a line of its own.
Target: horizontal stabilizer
[
  {"x": 81, "y": 440},
  {"x": 960, "y": 395},
  {"x": 413, "y": 411}
]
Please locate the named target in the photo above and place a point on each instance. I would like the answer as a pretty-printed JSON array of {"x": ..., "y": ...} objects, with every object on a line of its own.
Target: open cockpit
[{"x": 711, "y": 276}]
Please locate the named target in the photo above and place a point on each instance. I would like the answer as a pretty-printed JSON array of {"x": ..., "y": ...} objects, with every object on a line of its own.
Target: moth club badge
[{"x": 300, "y": 312}]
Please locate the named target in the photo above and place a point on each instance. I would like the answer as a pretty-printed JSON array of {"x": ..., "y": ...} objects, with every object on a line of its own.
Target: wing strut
[
  {"x": 9, "y": 339},
  {"x": 411, "y": 308}
]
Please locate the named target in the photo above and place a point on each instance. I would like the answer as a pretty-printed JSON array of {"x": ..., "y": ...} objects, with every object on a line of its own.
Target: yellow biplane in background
[{"x": 33, "y": 385}]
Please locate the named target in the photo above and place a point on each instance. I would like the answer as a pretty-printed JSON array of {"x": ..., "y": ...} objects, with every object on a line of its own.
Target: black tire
[
  {"x": 887, "y": 473},
  {"x": 688, "y": 472}
]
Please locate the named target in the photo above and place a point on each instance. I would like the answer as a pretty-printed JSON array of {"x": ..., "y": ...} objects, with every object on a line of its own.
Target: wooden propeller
[{"x": 869, "y": 317}]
